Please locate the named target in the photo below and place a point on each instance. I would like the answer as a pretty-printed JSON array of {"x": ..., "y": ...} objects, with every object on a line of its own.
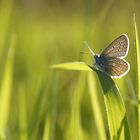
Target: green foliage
[
  {"x": 96, "y": 106},
  {"x": 5, "y": 93},
  {"x": 72, "y": 66},
  {"x": 138, "y": 70},
  {"x": 38, "y": 102},
  {"x": 116, "y": 113}
]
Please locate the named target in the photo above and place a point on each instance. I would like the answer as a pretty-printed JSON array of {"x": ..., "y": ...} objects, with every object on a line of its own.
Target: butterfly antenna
[{"x": 89, "y": 48}]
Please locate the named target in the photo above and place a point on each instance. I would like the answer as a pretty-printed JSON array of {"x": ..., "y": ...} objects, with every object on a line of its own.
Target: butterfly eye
[{"x": 96, "y": 57}]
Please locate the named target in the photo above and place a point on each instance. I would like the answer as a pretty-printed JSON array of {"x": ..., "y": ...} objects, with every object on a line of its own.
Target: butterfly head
[{"x": 96, "y": 59}]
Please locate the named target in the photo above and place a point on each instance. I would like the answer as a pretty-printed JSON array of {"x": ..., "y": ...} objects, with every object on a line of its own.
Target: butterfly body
[
  {"x": 111, "y": 60},
  {"x": 99, "y": 62}
]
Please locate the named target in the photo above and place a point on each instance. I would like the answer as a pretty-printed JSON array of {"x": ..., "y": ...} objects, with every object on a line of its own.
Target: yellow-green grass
[{"x": 43, "y": 103}]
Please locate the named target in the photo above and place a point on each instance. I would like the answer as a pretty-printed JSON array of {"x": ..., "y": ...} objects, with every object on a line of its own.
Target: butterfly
[{"x": 111, "y": 60}]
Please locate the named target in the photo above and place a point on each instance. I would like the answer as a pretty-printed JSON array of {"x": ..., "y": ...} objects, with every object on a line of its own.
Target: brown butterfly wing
[
  {"x": 116, "y": 67},
  {"x": 118, "y": 48}
]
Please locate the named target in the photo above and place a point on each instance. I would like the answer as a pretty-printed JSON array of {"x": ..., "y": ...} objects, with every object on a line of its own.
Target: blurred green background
[{"x": 56, "y": 105}]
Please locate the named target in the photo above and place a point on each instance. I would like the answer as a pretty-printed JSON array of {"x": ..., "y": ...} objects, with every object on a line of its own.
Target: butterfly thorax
[{"x": 99, "y": 62}]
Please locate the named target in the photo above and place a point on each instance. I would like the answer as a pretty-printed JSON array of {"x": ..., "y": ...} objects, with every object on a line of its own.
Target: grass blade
[
  {"x": 22, "y": 104},
  {"x": 74, "y": 130},
  {"x": 5, "y": 92},
  {"x": 138, "y": 71},
  {"x": 116, "y": 113},
  {"x": 72, "y": 66},
  {"x": 96, "y": 107},
  {"x": 51, "y": 116},
  {"x": 35, "y": 115}
]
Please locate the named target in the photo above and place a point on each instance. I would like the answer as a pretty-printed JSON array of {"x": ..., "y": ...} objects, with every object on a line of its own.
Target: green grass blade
[
  {"x": 22, "y": 109},
  {"x": 52, "y": 104},
  {"x": 96, "y": 106},
  {"x": 74, "y": 130},
  {"x": 47, "y": 132},
  {"x": 138, "y": 72},
  {"x": 116, "y": 113},
  {"x": 35, "y": 115},
  {"x": 72, "y": 66},
  {"x": 5, "y": 92}
]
